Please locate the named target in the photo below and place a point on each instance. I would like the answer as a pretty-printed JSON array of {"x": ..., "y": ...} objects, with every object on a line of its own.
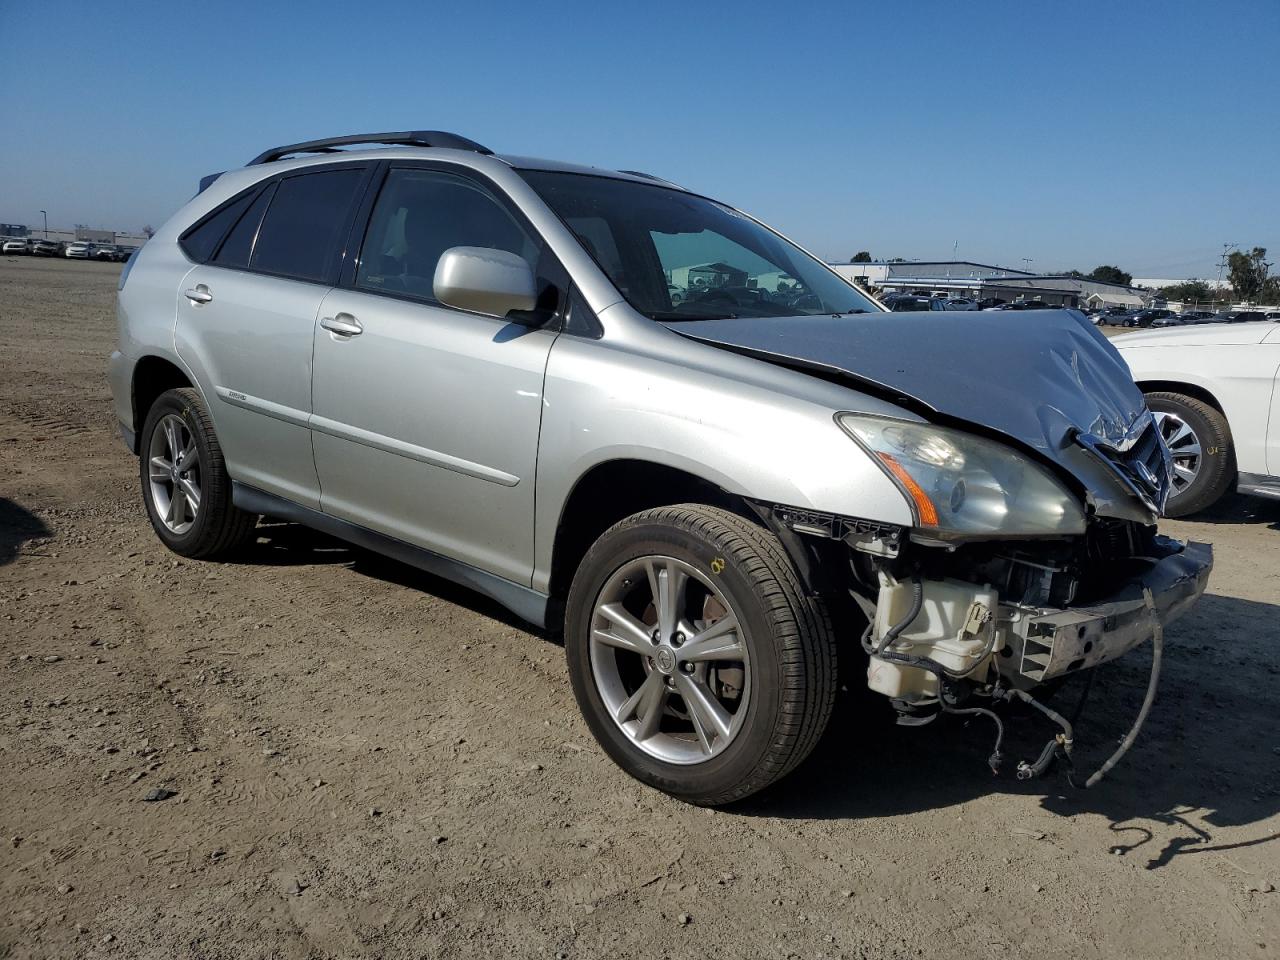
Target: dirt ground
[{"x": 369, "y": 762}]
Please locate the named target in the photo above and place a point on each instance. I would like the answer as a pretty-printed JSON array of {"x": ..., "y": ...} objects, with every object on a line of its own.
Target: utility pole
[
  {"x": 1222, "y": 261},
  {"x": 46, "y": 223}
]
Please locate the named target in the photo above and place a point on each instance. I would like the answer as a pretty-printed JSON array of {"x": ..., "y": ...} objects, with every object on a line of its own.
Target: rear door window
[{"x": 303, "y": 233}]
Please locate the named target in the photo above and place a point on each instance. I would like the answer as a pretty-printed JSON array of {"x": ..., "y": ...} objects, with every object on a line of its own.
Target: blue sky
[{"x": 1141, "y": 134}]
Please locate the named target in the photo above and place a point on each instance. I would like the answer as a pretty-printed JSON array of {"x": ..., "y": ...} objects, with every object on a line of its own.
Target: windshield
[{"x": 676, "y": 256}]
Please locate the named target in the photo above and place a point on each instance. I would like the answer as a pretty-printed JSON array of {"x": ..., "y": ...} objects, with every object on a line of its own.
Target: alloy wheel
[
  {"x": 669, "y": 660},
  {"x": 174, "y": 470},
  {"x": 1184, "y": 448}
]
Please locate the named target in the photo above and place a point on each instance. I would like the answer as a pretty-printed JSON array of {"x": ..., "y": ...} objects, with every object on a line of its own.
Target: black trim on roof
[
  {"x": 650, "y": 176},
  {"x": 407, "y": 138}
]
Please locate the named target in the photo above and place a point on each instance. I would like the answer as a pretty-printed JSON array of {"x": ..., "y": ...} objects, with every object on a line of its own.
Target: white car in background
[
  {"x": 1215, "y": 390},
  {"x": 79, "y": 250}
]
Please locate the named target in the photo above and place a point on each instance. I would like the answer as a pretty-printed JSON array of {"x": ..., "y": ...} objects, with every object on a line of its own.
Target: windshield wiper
[{"x": 679, "y": 317}]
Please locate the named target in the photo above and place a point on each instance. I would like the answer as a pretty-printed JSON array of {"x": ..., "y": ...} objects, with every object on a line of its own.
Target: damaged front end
[
  {"x": 954, "y": 625},
  {"x": 1034, "y": 492},
  {"x": 1021, "y": 615}
]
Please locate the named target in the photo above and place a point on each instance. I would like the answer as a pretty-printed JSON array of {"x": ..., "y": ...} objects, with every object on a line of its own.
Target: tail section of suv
[{"x": 639, "y": 415}]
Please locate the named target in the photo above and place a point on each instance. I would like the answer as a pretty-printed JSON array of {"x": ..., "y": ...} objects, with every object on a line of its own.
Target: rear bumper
[{"x": 1056, "y": 642}]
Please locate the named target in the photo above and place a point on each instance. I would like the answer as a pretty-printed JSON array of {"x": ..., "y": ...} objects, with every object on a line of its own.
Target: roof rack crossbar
[{"x": 408, "y": 138}]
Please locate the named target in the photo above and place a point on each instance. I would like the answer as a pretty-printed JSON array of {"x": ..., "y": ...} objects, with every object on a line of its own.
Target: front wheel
[
  {"x": 185, "y": 484},
  {"x": 701, "y": 666}
]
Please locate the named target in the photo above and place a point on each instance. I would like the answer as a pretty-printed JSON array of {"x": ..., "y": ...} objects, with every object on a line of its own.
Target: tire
[
  {"x": 788, "y": 674},
  {"x": 215, "y": 528},
  {"x": 1215, "y": 466}
]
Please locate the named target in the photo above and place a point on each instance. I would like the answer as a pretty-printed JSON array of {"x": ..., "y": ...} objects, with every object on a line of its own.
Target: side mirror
[{"x": 485, "y": 281}]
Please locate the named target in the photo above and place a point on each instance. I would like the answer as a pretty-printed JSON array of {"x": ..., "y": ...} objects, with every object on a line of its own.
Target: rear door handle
[
  {"x": 343, "y": 324},
  {"x": 198, "y": 294}
]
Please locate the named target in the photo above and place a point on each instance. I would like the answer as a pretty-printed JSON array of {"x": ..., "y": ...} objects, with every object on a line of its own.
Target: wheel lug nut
[{"x": 687, "y": 667}]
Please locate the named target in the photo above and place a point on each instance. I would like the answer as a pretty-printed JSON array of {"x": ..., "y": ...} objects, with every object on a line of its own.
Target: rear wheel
[
  {"x": 1199, "y": 441},
  {"x": 699, "y": 663},
  {"x": 185, "y": 485}
]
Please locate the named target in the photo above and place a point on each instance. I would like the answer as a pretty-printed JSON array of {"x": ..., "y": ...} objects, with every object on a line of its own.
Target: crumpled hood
[{"x": 1038, "y": 378}]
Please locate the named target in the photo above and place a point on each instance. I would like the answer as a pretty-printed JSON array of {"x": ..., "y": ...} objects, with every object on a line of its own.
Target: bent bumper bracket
[{"x": 1059, "y": 642}]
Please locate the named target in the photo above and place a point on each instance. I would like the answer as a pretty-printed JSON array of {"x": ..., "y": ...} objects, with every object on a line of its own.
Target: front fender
[{"x": 756, "y": 435}]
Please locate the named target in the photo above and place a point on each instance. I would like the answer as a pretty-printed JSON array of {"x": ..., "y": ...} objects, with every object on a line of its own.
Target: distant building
[
  {"x": 982, "y": 281},
  {"x": 872, "y": 274},
  {"x": 95, "y": 236},
  {"x": 14, "y": 230}
]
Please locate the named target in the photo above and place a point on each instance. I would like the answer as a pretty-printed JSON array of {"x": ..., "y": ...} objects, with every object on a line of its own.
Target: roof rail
[
  {"x": 409, "y": 138},
  {"x": 653, "y": 177}
]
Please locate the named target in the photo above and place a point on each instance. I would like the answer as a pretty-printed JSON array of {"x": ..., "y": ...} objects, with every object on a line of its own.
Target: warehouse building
[{"x": 981, "y": 281}]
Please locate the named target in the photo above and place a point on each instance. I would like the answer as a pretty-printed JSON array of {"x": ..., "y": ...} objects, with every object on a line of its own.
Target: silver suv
[{"x": 639, "y": 416}]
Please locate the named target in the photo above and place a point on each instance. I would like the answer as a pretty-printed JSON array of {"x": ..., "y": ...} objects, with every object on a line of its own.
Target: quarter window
[
  {"x": 302, "y": 233},
  {"x": 201, "y": 240},
  {"x": 237, "y": 248}
]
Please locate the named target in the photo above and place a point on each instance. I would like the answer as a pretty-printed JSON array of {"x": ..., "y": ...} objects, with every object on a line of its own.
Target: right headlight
[{"x": 963, "y": 485}]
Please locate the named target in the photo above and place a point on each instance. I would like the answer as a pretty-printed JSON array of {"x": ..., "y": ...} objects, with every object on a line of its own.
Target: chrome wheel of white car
[
  {"x": 1184, "y": 447},
  {"x": 1199, "y": 442},
  {"x": 668, "y": 660},
  {"x": 174, "y": 468}
]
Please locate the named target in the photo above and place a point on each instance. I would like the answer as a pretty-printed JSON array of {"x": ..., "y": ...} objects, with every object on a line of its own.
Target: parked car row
[
  {"x": 911, "y": 303},
  {"x": 1160, "y": 317},
  {"x": 918, "y": 302},
  {"x": 33, "y": 246},
  {"x": 76, "y": 250},
  {"x": 1026, "y": 305}
]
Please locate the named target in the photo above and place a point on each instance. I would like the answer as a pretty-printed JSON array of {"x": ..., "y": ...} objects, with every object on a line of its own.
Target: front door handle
[
  {"x": 343, "y": 324},
  {"x": 198, "y": 294}
]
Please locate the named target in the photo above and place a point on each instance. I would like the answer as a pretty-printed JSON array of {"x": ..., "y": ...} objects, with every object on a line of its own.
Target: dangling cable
[{"x": 1157, "y": 652}]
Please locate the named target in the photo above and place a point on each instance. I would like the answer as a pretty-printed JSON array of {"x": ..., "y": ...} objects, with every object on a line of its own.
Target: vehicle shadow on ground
[
  {"x": 283, "y": 544},
  {"x": 393, "y": 571},
  {"x": 17, "y": 526},
  {"x": 1238, "y": 509},
  {"x": 1205, "y": 760}
]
